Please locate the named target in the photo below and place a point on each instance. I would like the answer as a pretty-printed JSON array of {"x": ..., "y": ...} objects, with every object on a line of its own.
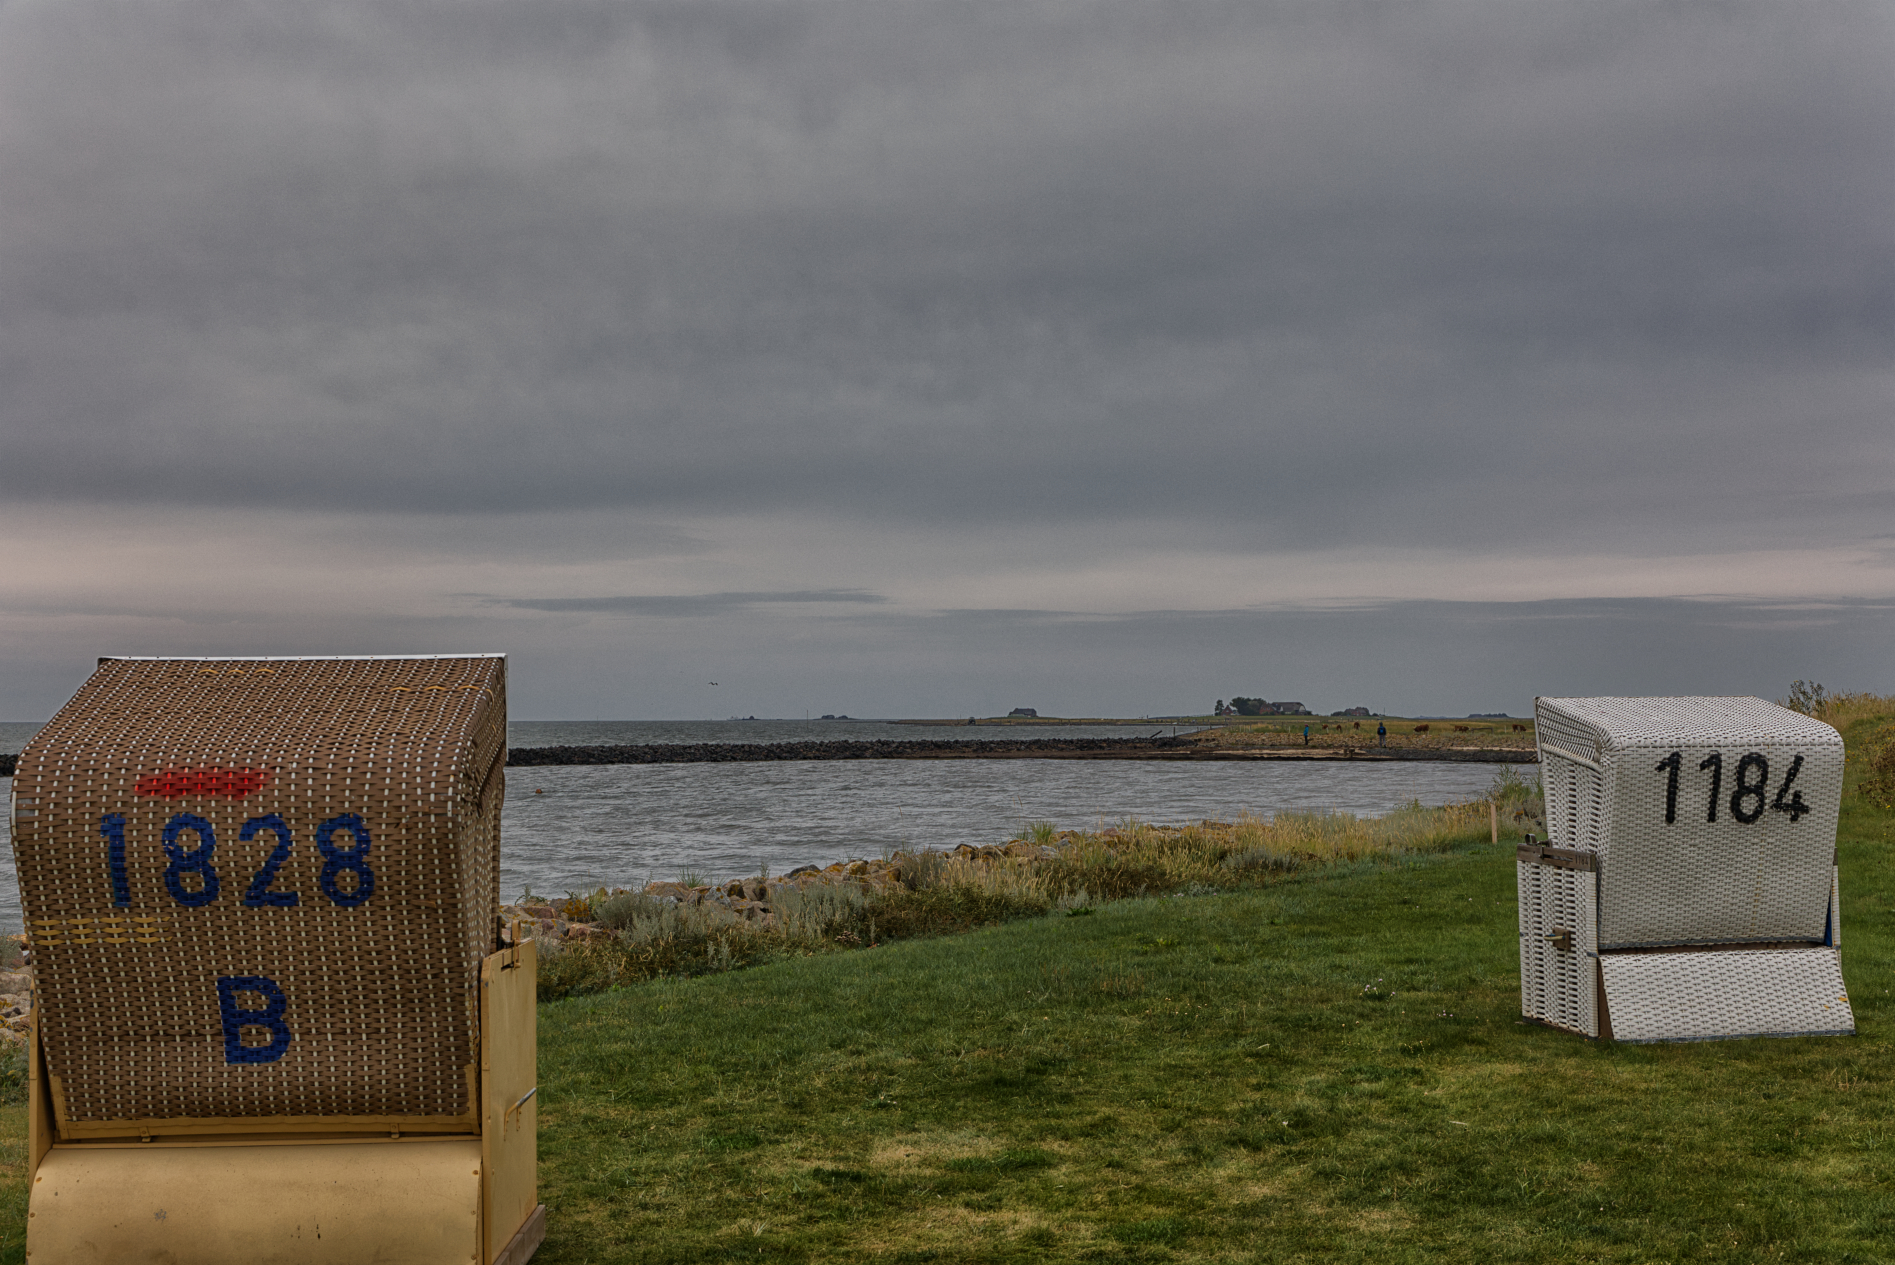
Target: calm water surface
[
  {"x": 587, "y": 733},
  {"x": 623, "y": 824}
]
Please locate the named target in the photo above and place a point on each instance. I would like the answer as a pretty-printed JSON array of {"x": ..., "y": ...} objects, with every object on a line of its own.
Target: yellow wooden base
[{"x": 416, "y": 1202}]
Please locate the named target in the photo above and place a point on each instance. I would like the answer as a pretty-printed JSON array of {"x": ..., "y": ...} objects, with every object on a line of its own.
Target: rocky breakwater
[
  {"x": 753, "y": 900},
  {"x": 878, "y": 749}
]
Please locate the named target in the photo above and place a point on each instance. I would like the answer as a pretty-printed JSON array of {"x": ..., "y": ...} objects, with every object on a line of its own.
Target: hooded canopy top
[{"x": 262, "y": 888}]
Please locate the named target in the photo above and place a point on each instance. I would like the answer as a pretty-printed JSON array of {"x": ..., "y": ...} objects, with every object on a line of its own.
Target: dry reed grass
[
  {"x": 941, "y": 893},
  {"x": 1872, "y": 748}
]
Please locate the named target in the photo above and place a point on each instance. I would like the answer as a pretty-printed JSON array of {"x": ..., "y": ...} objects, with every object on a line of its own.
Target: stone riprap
[{"x": 16, "y": 1006}]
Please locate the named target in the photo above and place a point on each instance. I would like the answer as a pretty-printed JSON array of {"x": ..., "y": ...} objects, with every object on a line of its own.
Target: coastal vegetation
[
  {"x": 1043, "y": 871},
  {"x": 1329, "y": 1066}
]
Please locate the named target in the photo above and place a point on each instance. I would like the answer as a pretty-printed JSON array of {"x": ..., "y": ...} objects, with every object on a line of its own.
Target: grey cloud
[
  {"x": 873, "y": 659},
  {"x": 1609, "y": 273},
  {"x": 687, "y": 604}
]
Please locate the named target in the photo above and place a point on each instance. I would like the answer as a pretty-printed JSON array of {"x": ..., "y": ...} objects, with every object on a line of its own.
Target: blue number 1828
[{"x": 191, "y": 873}]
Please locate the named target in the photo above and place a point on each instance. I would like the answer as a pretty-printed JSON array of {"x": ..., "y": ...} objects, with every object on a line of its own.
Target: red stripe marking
[{"x": 209, "y": 780}]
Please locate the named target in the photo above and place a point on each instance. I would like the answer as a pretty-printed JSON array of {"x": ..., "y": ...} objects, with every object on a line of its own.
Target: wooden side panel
[
  {"x": 39, "y": 1101},
  {"x": 399, "y": 1203},
  {"x": 509, "y": 1081},
  {"x": 526, "y": 1242}
]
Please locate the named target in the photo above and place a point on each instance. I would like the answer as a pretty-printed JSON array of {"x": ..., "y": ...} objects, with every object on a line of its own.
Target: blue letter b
[{"x": 236, "y": 1018}]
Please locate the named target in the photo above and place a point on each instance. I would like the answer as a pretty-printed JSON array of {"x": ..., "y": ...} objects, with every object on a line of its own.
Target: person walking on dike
[
  {"x": 1381, "y": 734},
  {"x": 1306, "y": 735}
]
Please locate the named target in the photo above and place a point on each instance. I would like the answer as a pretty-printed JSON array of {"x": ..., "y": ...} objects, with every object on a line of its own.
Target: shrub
[
  {"x": 1878, "y": 776},
  {"x": 1807, "y": 697},
  {"x": 1521, "y": 804},
  {"x": 818, "y": 912}
]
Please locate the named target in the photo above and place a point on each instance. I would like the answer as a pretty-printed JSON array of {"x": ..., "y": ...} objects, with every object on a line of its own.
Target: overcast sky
[{"x": 941, "y": 358}]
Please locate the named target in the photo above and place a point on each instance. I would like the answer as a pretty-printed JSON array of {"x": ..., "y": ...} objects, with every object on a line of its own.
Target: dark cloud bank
[{"x": 1580, "y": 278}]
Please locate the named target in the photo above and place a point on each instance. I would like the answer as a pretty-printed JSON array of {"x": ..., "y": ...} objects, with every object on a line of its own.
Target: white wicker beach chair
[{"x": 1688, "y": 890}]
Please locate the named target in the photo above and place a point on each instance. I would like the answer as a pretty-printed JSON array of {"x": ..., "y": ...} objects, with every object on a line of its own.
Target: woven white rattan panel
[
  {"x": 1557, "y": 983},
  {"x": 1575, "y": 801},
  {"x": 1714, "y": 818},
  {"x": 1700, "y": 996}
]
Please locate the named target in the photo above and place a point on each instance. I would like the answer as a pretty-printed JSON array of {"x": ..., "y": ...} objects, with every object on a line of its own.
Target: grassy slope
[
  {"x": 1208, "y": 1079},
  {"x": 1329, "y": 1069}
]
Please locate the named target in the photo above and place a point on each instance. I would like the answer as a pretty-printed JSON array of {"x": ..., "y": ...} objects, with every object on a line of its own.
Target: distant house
[{"x": 1024, "y": 711}]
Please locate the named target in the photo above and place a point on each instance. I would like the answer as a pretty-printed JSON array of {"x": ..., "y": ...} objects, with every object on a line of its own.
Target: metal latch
[
  {"x": 1561, "y": 939},
  {"x": 507, "y": 1117}
]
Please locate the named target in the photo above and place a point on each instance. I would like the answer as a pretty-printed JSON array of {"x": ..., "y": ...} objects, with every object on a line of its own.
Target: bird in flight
[{"x": 713, "y": 683}]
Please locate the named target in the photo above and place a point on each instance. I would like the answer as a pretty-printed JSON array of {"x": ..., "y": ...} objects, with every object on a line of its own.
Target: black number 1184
[{"x": 1748, "y": 800}]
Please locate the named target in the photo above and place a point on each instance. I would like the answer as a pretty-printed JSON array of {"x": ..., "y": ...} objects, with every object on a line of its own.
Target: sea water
[{"x": 578, "y": 827}]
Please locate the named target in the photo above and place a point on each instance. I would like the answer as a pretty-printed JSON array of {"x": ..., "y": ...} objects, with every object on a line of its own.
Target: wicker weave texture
[
  {"x": 344, "y": 936},
  {"x": 1751, "y": 790},
  {"x": 1557, "y": 948},
  {"x": 1710, "y": 995}
]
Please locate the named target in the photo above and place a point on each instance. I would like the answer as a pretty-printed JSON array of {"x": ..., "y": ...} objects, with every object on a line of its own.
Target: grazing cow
[
  {"x": 1519, "y": 729},
  {"x": 1460, "y": 729},
  {"x": 1421, "y": 729}
]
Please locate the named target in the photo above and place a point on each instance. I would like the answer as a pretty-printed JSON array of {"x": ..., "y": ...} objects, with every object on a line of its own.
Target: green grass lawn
[{"x": 1330, "y": 1068}]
